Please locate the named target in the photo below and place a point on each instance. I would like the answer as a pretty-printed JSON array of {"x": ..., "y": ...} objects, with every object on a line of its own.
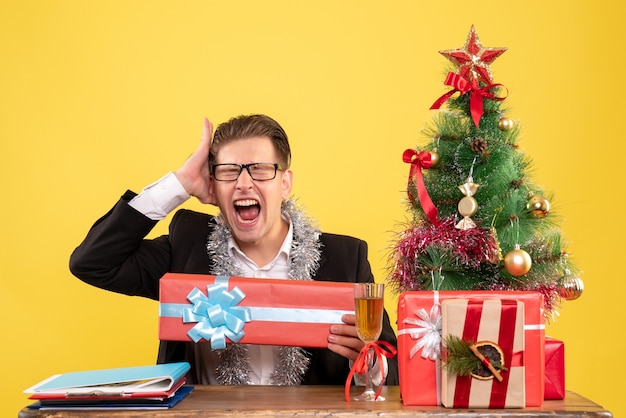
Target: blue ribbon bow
[{"x": 216, "y": 314}]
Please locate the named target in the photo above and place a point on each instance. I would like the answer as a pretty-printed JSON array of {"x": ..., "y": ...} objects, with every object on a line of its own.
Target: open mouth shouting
[{"x": 247, "y": 210}]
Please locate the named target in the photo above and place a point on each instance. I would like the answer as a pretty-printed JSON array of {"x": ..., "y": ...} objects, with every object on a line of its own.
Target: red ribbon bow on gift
[
  {"x": 418, "y": 162},
  {"x": 476, "y": 98},
  {"x": 360, "y": 366}
]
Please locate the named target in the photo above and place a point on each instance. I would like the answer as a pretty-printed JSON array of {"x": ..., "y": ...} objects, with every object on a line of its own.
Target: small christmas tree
[{"x": 478, "y": 221}]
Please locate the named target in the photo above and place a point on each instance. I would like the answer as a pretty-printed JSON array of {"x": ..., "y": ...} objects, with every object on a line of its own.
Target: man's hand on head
[{"x": 194, "y": 174}]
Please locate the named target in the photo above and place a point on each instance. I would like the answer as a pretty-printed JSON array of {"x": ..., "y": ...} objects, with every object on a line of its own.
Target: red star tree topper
[{"x": 473, "y": 59}]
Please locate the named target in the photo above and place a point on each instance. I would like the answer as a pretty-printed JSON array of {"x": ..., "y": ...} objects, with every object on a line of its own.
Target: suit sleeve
[{"x": 116, "y": 256}]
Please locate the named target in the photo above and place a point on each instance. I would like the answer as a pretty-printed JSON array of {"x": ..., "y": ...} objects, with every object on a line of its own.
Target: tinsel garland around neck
[{"x": 304, "y": 259}]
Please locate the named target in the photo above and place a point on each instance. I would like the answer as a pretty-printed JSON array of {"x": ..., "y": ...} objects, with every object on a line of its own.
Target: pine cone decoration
[{"x": 478, "y": 145}]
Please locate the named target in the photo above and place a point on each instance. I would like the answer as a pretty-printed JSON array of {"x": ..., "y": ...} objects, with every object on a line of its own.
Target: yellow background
[{"x": 98, "y": 97}]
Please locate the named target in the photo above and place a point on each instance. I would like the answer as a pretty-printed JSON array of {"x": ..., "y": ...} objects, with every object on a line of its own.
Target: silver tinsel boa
[{"x": 234, "y": 367}]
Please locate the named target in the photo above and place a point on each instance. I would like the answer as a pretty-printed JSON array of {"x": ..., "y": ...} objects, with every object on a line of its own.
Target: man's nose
[{"x": 244, "y": 179}]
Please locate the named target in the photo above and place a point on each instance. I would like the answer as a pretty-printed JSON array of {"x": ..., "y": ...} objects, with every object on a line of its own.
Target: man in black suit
[{"x": 260, "y": 232}]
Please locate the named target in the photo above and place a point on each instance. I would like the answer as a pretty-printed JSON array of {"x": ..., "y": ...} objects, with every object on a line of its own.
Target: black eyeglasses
[{"x": 258, "y": 171}]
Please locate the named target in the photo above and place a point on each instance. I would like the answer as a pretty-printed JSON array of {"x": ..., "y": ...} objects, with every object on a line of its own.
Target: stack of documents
[{"x": 158, "y": 386}]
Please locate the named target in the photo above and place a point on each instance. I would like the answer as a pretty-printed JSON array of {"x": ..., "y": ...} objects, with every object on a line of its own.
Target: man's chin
[{"x": 245, "y": 237}]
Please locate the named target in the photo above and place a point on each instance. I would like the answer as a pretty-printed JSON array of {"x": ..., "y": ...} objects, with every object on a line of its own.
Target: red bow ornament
[
  {"x": 477, "y": 94},
  {"x": 418, "y": 162},
  {"x": 360, "y": 364}
]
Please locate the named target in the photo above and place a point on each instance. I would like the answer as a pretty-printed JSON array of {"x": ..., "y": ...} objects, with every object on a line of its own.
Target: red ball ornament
[{"x": 517, "y": 262}]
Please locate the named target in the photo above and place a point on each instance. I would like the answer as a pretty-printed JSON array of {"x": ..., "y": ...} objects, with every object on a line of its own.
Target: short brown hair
[{"x": 250, "y": 126}]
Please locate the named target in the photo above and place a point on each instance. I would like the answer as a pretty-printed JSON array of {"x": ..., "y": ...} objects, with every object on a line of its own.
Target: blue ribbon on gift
[{"x": 216, "y": 314}]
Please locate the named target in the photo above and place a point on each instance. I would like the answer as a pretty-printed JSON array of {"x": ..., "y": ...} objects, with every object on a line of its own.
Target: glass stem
[{"x": 369, "y": 387}]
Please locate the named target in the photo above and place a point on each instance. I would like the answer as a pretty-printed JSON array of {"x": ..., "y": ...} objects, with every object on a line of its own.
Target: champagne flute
[{"x": 368, "y": 307}]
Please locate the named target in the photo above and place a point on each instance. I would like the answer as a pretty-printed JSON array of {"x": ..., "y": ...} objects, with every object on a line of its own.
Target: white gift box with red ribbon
[{"x": 500, "y": 324}]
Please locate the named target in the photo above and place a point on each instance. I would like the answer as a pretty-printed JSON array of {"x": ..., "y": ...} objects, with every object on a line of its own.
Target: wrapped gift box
[
  {"x": 555, "y": 369},
  {"x": 225, "y": 309},
  {"x": 419, "y": 338},
  {"x": 500, "y": 323}
]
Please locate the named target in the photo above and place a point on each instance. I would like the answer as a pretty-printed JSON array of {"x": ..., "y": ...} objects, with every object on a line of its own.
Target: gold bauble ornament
[
  {"x": 538, "y": 205},
  {"x": 570, "y": 287},
  {"x": 517, "y": 262},
  {"x": 434, "y": 158},
  {"x": 505, "y": 124}
]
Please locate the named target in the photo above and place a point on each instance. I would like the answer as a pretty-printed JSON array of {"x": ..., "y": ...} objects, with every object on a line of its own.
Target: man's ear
[{"x": 287, "y": 183}]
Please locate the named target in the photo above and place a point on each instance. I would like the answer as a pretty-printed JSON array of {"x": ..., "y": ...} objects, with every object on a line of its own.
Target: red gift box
[
  {"x": 499, "y": 323},
  {"x": 555, "y": 369},
  {"x": 419, "y": 342},
  {"x": 224, "y": 309}
]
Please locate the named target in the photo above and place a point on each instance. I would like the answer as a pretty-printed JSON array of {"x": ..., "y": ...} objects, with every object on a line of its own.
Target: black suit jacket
[{"x": 116, "y": 256}]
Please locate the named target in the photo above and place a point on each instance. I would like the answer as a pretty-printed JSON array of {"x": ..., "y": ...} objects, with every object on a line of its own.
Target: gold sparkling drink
[
  {"x": 369, "y": 312},
  {"x": 369, "y": 318}
]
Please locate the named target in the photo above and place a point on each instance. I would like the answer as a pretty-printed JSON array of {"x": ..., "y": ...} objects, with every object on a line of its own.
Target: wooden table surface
[{"x": 321, "y": 401}]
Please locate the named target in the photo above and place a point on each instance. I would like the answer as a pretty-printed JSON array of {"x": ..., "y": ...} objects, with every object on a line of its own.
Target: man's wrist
[{"x": 158, "y": 199}]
